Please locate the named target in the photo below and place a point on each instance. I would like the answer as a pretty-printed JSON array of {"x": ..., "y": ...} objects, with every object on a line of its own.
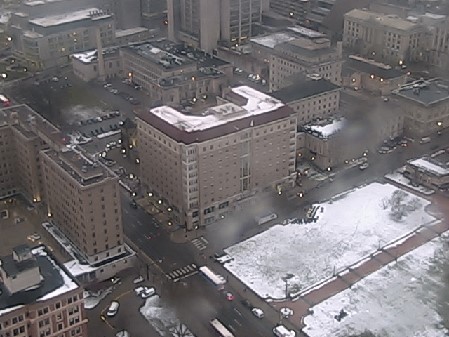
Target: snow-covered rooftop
[
  {"x": 327, "y": 130},
  {"x": 68, "y": 284},
  {"x": 55, "y": 20},
  {"x": 258, "y": 103},
  {"x": 272, "y": 40},
  {"x": 431, "y": 166},
  {"x": 130, "y": 31},
  {"x": 349, "y": 227},
  {"x": 306, "y": 31},
  {"x": 401, "y": 299},
  {"x": 32, "y": 34},
  {"x": 91, "y": 55}
]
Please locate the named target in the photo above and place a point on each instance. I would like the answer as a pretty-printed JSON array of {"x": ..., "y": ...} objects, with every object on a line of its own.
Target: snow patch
[{"x": 352, "y": 226}]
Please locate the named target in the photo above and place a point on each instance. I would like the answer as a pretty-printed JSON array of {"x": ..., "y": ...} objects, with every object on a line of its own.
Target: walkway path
[{"x": 377, "y": 260}]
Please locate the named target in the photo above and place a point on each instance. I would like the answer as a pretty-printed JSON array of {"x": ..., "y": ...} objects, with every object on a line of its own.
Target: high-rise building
[
  {"x": 38, "y": 297},
  {"x": 83, "y": 200},
  {"x": 23, "y": 133},
  {"x": 204, "y": 165},
  {"x": 206, "y": 23}
]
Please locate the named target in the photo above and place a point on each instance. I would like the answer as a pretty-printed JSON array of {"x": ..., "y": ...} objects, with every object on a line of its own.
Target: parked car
[
  {"x": 363, "y": 166},
  {"x": 34, "y": 237},
  {"x": 144, "y": 291},
  {"x": 113, "y": 309},
  {"x": 122, "y": 333},
  {"x": 138, "y": 279}
]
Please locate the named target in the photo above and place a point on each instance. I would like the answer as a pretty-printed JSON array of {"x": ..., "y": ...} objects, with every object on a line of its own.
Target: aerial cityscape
[{"x": 224, "y": 168}]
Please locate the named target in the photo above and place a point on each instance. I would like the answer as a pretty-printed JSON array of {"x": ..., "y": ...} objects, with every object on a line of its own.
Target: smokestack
[{"x": 101, "y": 70}]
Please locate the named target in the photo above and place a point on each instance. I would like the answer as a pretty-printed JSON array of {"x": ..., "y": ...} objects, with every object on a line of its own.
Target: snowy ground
[
  {"x": 91, "y": 300},
  {"x": 163, "y": 319},
  {"x": 351, "y": 226},
  {"x": 399, "y": 178},
  {"x": 399, "y": 300}
]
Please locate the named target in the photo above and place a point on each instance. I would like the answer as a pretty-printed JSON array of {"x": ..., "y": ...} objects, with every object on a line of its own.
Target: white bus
[
  {"x": 216, "y": 279},
  {"x": 220, "y": 328},
  {"x": 266, "y": 218}
]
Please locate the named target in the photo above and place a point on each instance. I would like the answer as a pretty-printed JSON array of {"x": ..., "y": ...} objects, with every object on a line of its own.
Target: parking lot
[{"x": 21, "y": 224}]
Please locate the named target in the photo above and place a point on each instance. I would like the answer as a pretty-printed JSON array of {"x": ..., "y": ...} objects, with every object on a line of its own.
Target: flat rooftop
[
  {"x": 303, "y": 89},
  {"x": 325, "y": 129},
  {"x": 367, "y": 66},
  {"x": 82, "y": 169},
  {"x": 289, "y": 34},
  {"x": 92, "y": 55},
  {"x": 256, "y": 108},
  {"x": 431, "y": 165},
  {"x": 169, "y": 55},
  {"x": 129, "y": 32},
  {"x": 391, "y": 21},
  {"x": 60, "y": 19},
  {"x": 55, "y": 281},
  {"x": 257, "y": 103},
  {"x": 30, "y": 123},
  {"x": 425, "y": 92}
]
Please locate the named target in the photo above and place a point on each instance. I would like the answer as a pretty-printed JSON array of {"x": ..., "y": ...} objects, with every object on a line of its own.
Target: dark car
[
  {"x": 247, "y": 304},
  {"x": 133, "y": 204}
]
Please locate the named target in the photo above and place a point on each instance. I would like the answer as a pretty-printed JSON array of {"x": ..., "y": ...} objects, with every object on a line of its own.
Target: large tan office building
[
  {"x": 38, "y": 297},
  {"x": 206, "y": 23},
  {"x": 205, "y": 165},
  {"x": 306, "y": 56},
  {"x": 384, "y": 37},
  {"x": 83, "y": 199},
  {"x": 49, "y": 41}
]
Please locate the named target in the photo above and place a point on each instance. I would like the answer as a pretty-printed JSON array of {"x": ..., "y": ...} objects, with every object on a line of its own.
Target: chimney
[{"x": 100, "y": 58}]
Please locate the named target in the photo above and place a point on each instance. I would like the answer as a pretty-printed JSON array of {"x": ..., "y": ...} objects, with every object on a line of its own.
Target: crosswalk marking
[
  {"x": 200, "y": 243},
  {"x": 183, "y": 272}
]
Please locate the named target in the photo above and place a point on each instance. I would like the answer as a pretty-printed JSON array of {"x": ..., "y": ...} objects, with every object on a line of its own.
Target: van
[
  {"x": 425, "y": 140},
  {"x": 113, "y": 309},
  {"x": 282, "y": 331}
]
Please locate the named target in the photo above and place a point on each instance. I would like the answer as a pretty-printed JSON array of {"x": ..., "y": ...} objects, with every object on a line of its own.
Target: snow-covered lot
[
  {"x": 163, "y": 319},
  {"x": 350, "y": 227},
  {"x": 401, "y": 299}
]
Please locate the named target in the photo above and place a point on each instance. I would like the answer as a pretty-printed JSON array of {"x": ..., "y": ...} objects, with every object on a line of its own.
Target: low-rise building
[
  {"x": 47, "y": 42},
  {"x": 375, "y": 77},
  {"x": 38, "y": 297},
  {"x": 425, "y": 105},
  {"x": 303, "y": 55},
  {"x": 311, "y": 99},
  {"x": 124, "y": 37},
  {"x": 86, "y": 65},
  {"x": 432, "y": 172},
  {"x": 173, "y": 74},
  {"x": 387, "y": 38},
  {"x": 204, "y": 165}
]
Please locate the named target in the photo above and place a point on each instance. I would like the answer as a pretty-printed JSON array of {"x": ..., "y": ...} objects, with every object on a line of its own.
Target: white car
[
  {"x": 113, "y": 309},
  {"x": 122, "y": 333},
  {"x": 224, "y": 259},
  {"x": 258, "y": 312},
  {"x": 145, "y": 292},
  {"x": 363, "y": 166},
  {"x": 34, "y": 237},
  {"x": 138, "y": 279}
]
